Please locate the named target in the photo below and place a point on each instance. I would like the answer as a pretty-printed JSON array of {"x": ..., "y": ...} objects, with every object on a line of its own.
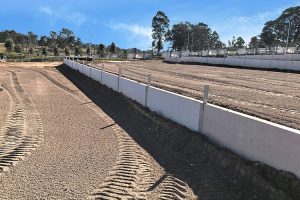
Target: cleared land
[{"x": 270, "y": 95}]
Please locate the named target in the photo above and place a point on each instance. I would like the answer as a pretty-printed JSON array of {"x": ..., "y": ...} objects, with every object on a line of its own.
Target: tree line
[
  {"x": 62, "y": 43},
  {"x": 285, "y": 30}
]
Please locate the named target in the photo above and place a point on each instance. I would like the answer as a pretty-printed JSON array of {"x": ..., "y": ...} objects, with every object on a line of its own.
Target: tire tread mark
[{"x": 23, "y": 130}]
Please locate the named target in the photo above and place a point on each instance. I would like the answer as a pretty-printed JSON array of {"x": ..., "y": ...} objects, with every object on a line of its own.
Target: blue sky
[{"x": 128, "y": 22}]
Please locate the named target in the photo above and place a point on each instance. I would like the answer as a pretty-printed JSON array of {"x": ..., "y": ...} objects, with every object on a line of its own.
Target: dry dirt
[
  {"x": 270, "y": 95},
  {"x": 64, "y": 136}
]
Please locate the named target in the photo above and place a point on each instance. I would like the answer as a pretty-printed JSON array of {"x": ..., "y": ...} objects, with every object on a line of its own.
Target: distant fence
[
  {"x": 229, "y": 52},
  {"x": 243, "y": 61},
  {"x": 251, "y": 137}
]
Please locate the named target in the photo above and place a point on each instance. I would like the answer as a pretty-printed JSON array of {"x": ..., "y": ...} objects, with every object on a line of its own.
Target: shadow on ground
[{"x": 212, "y": 172}]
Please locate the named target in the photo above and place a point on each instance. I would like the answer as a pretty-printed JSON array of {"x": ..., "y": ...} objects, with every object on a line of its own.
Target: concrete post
[
  {"x": 102, "y": 70},
  {"x": 147, "y": 88},
  {"x": 202, "y": 108},
  {"x": 205, "y": 94},
  {"x": 119, "y": 77}
]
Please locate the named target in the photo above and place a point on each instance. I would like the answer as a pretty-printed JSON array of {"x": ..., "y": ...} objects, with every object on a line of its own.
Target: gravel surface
[
  {"x": 4, "y": 99},
  {"x": 76, "y": 153},
  {"x": 274, "y": 96}
]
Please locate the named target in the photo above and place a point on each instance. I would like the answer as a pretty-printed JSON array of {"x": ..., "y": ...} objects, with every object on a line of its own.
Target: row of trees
[
  {"x": 194, "y": 37},
  {"x": 65, "y": 42},
  {"x": 185, "y": 35},
  {"x": 285, "y": 30}
]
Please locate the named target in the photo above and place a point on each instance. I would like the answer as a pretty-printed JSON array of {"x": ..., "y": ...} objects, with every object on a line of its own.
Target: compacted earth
[
  {"x": 64, "y": 136},
  {"x": 270, "y": 95}
]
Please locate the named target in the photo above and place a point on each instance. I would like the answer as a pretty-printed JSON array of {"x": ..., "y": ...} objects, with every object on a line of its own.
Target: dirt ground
[
  {"x": 270, "y": 95},
  {"x": 64, "y": 136}
]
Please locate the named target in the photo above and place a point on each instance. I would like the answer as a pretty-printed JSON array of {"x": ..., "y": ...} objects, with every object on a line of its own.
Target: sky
[{"x": 128, "y": 22}]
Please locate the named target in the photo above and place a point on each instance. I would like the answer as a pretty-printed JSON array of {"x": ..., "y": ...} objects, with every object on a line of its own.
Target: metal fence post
[
  {"x": 147, "y": 88},
  {"x": 202, "y": 108}
]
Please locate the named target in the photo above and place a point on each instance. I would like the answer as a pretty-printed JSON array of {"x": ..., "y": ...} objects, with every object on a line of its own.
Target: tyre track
[
  {"x": 23, "y": 130},
  {"x": 133, "y": 176}
]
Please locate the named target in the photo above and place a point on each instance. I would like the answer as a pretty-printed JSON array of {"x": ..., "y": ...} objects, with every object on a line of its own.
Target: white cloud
[
  {"x": 72, "y": 17},
  {"x": 140, "y": 36},
  {"x": 47, "y": 10},
  {"x": 245, "y": 26}
]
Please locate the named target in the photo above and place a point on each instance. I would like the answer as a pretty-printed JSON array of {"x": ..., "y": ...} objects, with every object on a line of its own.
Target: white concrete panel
[
  {"x": 254, "y": 138},
  {"x": 96, "y": 74},
  {"x": 110, "y": 80},
  {"x": 80, "y": 68},
  {"x": 178, "y": 108},
  {"x": 294, "y": 65},
  {"x": 201, "y": 59},
  {"x": 258, "y": 63},
  {"x": 280, "y": 64},
  {"x": 77, "y": 66},
  {"x": 86, "y": 70},
  {"x": 234, "y": 61},
  {"x": 133, "y": 90},
  {"x": 215, "y": 61}
]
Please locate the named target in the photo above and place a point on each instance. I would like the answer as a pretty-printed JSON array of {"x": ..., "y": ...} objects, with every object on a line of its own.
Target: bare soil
[
  {"x": 271, "y": 95},
  {"x": 67, "y": 137}
]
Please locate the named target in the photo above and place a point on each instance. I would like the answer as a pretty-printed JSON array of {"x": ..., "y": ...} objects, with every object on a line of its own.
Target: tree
[
  {"x": 112, "y": 48},
  {"x": 18, "y": 48},
  {"x": 44, "y": 51},
  {"x": 215, "y": 41},
  {"x": 88, "y": 50},
  {"x": 52, "y": 42},
  {"x": 9, "y": 45},
  {"x": 101, "y": 50},
  {"x": 124, "y": 55},
  {"x": 268, "y": 37},
  {"x": 77, "y": 51},
  {"x": 32, "y": 39},
  {"x": 31, "y": 50},
  {"x": 178, "y": 36},
  {"x": 253, "y": 42},
  {"x": 239, "y": 42},
  {"x": 56, "y": 52},
  {"x": 202, "y": 36},
  {"x": 276, "y": 32},
  {"x": 67, "y": 51},
  {"x": 66, "y": 38},
  {"x": 43, "y": 41},
  {"x": 220, "y": 45},
  {"x": 160, "y": 24}
]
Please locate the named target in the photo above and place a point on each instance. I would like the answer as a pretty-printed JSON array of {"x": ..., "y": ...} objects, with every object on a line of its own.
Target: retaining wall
[
  {"x": 286, "y": 57},
  {"x": 133, "y": 90},
  {"x": 242, "y": 61},
  {"x": 253, "y": 138},
  {"x": 110, "y": 80},
  {"x": 178, "y": 108},
  {"x": 250, "y": 137}
]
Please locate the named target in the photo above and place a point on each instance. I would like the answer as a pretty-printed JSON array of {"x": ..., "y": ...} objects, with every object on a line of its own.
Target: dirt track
[
  {"x": 274, "y": 96},
  {"x": 70, "y": 138}
]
